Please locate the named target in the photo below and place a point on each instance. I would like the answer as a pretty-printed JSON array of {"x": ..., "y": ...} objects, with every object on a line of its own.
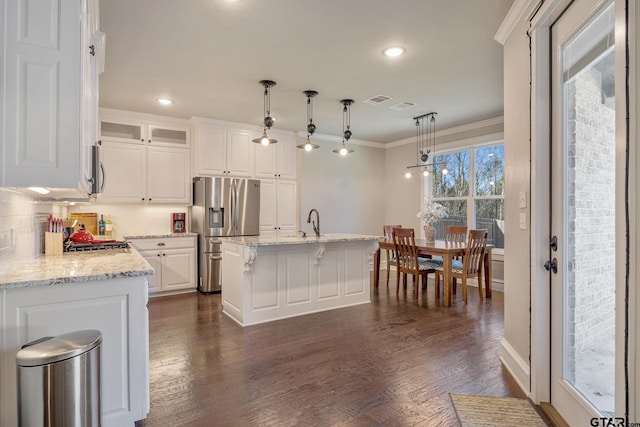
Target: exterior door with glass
[{"x": 582, "y": 255}]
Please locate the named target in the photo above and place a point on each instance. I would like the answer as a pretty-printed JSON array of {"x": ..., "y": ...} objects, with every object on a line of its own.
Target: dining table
[{"x": 447, "y": 251}]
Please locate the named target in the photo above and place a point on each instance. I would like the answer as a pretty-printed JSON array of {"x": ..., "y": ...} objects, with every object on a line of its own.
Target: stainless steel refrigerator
[{"x": 222, "y": 207}]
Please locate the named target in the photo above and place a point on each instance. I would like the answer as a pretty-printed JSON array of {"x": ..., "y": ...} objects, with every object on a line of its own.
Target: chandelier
[
  {"x": 425, "y": 145},
  {"x": 343, "y": 150},
  {"x": 268, "y": 120},
  {"x": 311, "y": 128}
]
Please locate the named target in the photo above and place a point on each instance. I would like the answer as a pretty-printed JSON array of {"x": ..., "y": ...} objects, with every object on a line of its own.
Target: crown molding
[
  {"x": 451, "y": 131},
  {"x": 514, "y": 15}
]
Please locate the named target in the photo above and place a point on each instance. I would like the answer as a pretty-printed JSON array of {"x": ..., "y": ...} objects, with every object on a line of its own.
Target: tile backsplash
[{"x": 21, "y": 218}]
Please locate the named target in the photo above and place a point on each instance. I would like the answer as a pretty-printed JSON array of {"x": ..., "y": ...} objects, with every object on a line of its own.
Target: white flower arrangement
[{"x": 432, "y": 212}]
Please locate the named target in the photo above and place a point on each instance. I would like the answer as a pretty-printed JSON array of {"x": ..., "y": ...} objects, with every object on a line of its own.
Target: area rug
[{"x": 477, "y": 411}]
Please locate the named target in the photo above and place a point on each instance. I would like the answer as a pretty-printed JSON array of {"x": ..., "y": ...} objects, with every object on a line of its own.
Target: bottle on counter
[
  {"x": 108, "y": 227},
  {"x": 101, "y": 226}
]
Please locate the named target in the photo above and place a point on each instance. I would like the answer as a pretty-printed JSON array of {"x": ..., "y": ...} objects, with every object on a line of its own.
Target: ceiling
[{"x": 208, "y": 56}]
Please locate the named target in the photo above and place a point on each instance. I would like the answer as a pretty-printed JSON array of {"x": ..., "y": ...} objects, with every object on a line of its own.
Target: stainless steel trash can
[{"x": 59, "y": 380}]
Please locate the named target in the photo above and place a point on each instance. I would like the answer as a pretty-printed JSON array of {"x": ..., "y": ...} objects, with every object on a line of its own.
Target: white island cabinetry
[{"x": 267, "y": 278}]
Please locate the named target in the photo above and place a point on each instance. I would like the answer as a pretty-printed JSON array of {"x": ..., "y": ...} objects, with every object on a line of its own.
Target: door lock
[
  {"x": 553, "y": 244},
  {"x": 551, "y": 266}
]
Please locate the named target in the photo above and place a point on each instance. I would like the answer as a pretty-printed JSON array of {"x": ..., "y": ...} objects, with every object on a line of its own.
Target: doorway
[{"x": 582, "y": 255}]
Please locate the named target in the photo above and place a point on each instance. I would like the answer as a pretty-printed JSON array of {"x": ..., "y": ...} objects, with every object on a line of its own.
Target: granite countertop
[
  {"x": 298, "y": 239},
  {"x": 73, "y": 267},
  {"x": 158, "y": 236}
]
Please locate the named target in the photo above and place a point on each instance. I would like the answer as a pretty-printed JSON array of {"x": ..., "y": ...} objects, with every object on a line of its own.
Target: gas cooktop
[{"x": 80, "y": 247}]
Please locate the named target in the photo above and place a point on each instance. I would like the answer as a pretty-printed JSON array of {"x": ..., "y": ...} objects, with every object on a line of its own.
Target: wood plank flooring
[{"x": 389, "y": 363}]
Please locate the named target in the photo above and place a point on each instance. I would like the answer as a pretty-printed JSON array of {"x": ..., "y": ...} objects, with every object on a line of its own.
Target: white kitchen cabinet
[
  {"x": 52, "y": 54},
  {"x": 278, "y": 207},
  {"x": 221, "y": 150},
  {"x": 125, "y": 172},
  {"x": 116, "y": 307},
  {"x": 173, "y": 260},
  {"x": 277, "y": 160},
  {"x": 144, "y": 162}
]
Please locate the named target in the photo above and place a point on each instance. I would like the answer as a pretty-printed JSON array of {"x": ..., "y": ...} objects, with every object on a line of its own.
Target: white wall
[
  {"x": 517, "y": 281},
  {"x": 135, "y": 219},
  {"x": 348, "y": 191},
  {"x": 21, "y": 218}
]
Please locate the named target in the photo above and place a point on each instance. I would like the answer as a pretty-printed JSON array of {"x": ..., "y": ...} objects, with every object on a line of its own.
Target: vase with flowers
[{"x": 431, "y": 212}]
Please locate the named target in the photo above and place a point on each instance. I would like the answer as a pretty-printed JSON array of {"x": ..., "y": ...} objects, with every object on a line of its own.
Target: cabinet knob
[
  {"x": 158, "y": 255},
  {"x": 142, "y": 139},
  {"x": 164, "y": 254},
  {"x": 143, "y": 199}
]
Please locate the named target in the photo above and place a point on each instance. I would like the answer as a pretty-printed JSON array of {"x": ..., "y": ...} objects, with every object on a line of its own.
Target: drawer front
[{"x": 163, "y": 243}]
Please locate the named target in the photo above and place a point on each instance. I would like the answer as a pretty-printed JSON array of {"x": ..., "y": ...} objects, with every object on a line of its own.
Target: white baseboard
[{"x": 516, "y": 366}]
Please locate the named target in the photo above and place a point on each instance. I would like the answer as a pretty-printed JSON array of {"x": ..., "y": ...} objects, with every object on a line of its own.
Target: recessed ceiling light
[
  {"x": 392, "y": 52},
  {"x": 165, "y": 101}
]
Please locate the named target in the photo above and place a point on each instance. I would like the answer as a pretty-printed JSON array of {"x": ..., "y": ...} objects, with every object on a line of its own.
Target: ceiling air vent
[
  {"x": 376, "y": 100},
  {"x": 402, "y": 105}
]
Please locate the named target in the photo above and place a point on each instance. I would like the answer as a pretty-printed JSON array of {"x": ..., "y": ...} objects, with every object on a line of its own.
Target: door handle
[{"x": 552, "y": 266}]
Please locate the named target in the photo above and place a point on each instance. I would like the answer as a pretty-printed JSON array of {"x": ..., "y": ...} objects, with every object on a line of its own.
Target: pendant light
[
  {"x": 343, "y": 150},
  {"x": 311, "y": 128},
  {"x": 268, "y": 120},
  {"x": 425, "y": 145}
]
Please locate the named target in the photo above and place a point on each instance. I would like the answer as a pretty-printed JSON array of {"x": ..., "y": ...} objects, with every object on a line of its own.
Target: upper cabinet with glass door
[{"x": 137, "y": 128}]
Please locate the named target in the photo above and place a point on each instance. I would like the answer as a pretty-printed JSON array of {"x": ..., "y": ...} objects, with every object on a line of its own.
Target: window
[{"x": 470, "y": 184}]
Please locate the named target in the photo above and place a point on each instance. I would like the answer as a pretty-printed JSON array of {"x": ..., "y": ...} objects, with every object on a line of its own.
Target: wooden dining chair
[
  {"x": 452, "y": 233},
  {"x": 455, "y": 233},
  {"x": 408, "y": 260},
  {"x": 390, "y": 253},
  {"x": 471, "y": 264}
]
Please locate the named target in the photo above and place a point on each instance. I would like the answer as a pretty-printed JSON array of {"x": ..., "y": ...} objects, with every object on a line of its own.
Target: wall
[
  {"x": 517, "y": 280},
  {"x": 348, "y": 191},
  {"x": 21, "y": 218},
  {"x": 134, "y": 219},
  {"x": 404, "y": 199}
]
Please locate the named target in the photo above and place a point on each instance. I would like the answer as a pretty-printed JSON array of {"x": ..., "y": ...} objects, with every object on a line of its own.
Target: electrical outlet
[
  {"x": 523, "y": 221},
  {"x": 523, "y": 199}
]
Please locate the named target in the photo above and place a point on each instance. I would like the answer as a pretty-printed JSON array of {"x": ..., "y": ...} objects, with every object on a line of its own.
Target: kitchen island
[
  {"x": 270, "y": 278},
  {"x": 52, "y": 295}
]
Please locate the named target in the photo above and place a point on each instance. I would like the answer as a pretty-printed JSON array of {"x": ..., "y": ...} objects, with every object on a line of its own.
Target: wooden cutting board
[{"x": 89, "y": 219}]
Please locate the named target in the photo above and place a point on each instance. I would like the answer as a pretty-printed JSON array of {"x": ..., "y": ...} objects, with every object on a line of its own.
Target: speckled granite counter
[
  {"x": 298, "y": 239},
  {"x": 73, "y": 267}
]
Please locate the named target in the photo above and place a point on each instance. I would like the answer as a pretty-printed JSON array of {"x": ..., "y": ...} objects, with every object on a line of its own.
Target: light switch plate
[
  {"x": 523, "y": 199},
  {"x": 523, "y": 221}
]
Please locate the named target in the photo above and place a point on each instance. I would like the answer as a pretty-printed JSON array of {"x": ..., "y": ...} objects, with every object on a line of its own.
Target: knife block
[{"x": 53, "y": 243}]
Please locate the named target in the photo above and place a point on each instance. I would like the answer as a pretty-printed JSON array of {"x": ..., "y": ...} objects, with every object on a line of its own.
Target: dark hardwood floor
[{"x": 390, "y": 363}]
